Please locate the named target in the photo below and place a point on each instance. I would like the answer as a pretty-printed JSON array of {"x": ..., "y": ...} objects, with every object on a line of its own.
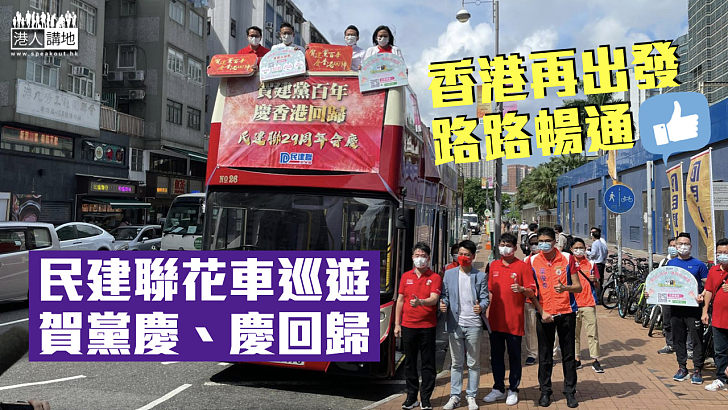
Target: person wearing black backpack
[{"x": 716, "y": 290}]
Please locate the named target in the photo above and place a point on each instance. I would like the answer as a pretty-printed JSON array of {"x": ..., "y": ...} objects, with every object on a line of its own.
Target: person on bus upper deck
[
  {"x": 351, "y": 36},
  {"x": 287, "y": 35},
  {"x": 383, "y": 41},
  {"x": 255, "y": 35},
  {"x": 415, "y": 321}
]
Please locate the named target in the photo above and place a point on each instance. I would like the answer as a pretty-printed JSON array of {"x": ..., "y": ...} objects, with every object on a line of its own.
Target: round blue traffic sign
[{"x": 619, "y": 198}]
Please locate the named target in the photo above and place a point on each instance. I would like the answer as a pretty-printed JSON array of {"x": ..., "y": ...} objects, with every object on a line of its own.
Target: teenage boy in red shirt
[{"x": 415, "y": 322}]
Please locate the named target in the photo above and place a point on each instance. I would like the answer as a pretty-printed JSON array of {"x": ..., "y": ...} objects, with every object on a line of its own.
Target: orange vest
[
  {"x": 548, "y": 274},
  {"x": 587, "y": 297}
]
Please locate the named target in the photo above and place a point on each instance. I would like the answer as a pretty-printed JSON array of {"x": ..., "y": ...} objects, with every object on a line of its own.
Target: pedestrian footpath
[{"x": 635, "y": 375}]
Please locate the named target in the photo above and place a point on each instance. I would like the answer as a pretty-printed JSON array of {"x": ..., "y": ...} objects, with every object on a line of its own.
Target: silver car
[
  {"x": 138, "y": 237},
  {"x": 16, "y": 239}
]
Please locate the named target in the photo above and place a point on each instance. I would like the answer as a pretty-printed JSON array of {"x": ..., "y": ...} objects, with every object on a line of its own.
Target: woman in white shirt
[{"x": 383, "y": 41}]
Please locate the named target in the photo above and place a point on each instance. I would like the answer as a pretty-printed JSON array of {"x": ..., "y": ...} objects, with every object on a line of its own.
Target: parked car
[
  {"x": 81, "y": 236},
  {"x": 16, "y": 239},
  {"x": 138, "y": 237}
]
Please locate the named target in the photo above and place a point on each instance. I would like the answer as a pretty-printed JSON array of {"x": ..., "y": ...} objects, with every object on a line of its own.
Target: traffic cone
[{"x": 488, "y": 246}]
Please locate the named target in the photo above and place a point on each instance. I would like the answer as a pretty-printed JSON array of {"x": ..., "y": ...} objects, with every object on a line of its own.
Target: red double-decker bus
[{"x": 311, "y": 163}]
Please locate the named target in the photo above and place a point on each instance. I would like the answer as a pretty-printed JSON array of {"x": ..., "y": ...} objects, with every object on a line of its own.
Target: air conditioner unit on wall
[
  {"x": 137, "y": 75},
  {"x": 80, "y": 71},
  {"x": 52, "y": 61},
  {"x": 137, "y": 94},
  {"x": 115, "y": 76}
]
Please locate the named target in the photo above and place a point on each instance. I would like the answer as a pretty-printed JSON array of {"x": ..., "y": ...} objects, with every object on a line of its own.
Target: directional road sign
[{"x": 619, "y": 198}]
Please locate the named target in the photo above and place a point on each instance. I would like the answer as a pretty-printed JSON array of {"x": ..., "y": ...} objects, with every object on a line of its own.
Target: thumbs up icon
[{"x": 679, "y": 128}]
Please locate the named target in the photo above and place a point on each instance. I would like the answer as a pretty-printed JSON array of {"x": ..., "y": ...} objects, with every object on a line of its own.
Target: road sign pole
[{"x": 649, "y": 172}]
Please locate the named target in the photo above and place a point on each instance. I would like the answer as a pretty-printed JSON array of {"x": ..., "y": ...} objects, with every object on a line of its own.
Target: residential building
[{"x": 516, "y": 174}]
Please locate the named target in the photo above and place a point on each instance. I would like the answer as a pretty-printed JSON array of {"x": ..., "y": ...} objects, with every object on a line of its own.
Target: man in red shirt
[
  {"x": 716, "y": 289},
  {"x": 254, "y": 47},
  {"x": 557, "y": 280},
  {"x": 415, "y": 322},
  {"x": 454, "y": 254},
  {"x": 510, "y": 282}
]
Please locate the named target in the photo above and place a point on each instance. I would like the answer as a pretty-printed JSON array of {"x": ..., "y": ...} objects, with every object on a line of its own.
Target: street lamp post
[{"x": 463, "y": 16}]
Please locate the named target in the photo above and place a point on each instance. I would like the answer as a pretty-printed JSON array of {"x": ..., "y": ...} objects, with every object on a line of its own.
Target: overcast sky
[{"x": 426, "y": 31}]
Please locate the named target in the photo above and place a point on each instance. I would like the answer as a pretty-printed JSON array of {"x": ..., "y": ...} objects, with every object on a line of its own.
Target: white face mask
[
  {"x": 350, "y": 40},
  {"x": 287, "y": 39},
  {"x": 505, "y": 250},
  {"x": 254, "y": 41},
  {"x": 579, "y": 252},
  {"x": 683, "y": 249},
  {"x": 382, "y": 41},
  {"x": 419, "y": 262}
]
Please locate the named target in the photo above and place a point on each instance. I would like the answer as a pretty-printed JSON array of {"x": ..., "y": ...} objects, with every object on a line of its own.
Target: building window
[
  {"x": 209, "y": 23},
  {"x": 86, "y": 16},
  {"x": 599, "y": 198},
  {"x": 195, "y": 23},
  {"x": 43, "y": 71},
  {"x": 577, "y": 200},
  {"x": 81, "y": 81},
  {"x": 233, "y": 28},
  {"x": 585, "y": 201},
  {"x": 193, "y": 118},
  {"x": 174, "y": 112},
  {"x": 175, "y": 61},
  {"x": 137, "y": 160},
  {"x": 194, "y": 70},
  {"x": 128, "y": 8},
  {"x": 127, "y": 56},
  {"x": 177, "y": 12},
  {"x": 45, "y": 5}
]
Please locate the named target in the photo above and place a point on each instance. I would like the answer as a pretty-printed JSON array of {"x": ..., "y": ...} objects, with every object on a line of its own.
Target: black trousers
[
  {"x": 687, "y": 319},
  {"x": 499, "y": 342},
  {"x": 565, "y": 326},
  {"x": 600, "y": 269},
  {"x": 419, "y": 341}
]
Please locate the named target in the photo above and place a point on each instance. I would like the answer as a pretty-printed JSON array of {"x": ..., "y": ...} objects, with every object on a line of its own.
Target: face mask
[
  {"x": 534, "y": 248},
  {"x": 382, "y": 41},
  {"x": 672, "y": 251},
  {"x": 350, "y": 40},
  {"x": 465, "y": 260},
  {"x": 505, "y": 250},
  {"x": 254, "y": 41},
  {"x": 722, "y": 258},
  {"x": 287, "y": 39},
  {"x": 545, "y": 246},
  {"x": 683, "y": 249},
  {"x": 579, "y": 252},
  {"x": 420, "y": 262}
]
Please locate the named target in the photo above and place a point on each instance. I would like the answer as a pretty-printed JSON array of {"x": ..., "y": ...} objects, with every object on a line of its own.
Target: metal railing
[{"x": 115, "y": 121}]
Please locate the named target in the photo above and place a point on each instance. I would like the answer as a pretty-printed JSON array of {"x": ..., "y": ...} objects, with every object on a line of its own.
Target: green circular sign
[{"x": 198, "y": 243}]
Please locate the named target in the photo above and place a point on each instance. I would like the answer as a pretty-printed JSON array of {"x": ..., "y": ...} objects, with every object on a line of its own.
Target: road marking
[
  {"x": 204, "y": 334},
  {"x": 165, "y": 397},
  {"x": 167, "y": 362},
  {"x": 223, "y": 364},
  {"x": 13, "y": 322},
  {"x": 15, "y": 386},
  {"x": 380, "y": 402},
  {"x": 290, "y": 383}
]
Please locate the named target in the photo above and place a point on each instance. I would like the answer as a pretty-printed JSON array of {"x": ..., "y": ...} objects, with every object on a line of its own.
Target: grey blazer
[{"x": 451, "y": 296}]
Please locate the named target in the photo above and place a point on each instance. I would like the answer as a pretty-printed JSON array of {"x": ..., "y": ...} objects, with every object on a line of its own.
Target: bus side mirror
[{"x": 401, "y": 218}]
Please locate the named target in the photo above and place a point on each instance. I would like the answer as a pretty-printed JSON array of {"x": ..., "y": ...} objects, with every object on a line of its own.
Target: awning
[
  {"x": 194, "y": 156},
  {"x": 120, "y": 203}
]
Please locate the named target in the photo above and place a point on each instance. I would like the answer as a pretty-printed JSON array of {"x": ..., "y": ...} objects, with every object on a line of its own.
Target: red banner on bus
[{"x": 317, "y": 123}]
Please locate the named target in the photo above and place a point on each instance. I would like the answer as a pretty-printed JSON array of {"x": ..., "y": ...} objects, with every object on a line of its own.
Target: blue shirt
[
  {"x": 598, "y": 252},
  {"x": 694, "y": 266}
]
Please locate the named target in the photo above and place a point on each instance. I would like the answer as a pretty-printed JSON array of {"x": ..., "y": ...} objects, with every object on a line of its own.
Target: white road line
[
  {"x": 165, "y": 397},
  {"x": 13, "y": 322},
  {"x": 167, "y": 362},
  {"x": 380, "y": 402},
  {"x": 223, "y": 364},
  {"x": 15, "y": 386},
  {"x": 290, "y": 383}
]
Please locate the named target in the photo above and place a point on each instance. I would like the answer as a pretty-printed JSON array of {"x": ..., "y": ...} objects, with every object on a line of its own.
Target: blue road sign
[{"x": 619, "y": 198}]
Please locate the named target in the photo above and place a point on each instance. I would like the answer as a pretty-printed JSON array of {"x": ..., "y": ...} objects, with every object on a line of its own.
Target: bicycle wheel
[
  {"x": 633, "y": 301},
  {"x": 623, "y": 297},
  {"x": 646, "y": 313},
  {"x": 640, "y": 312},
  {"x": 655, "y": 319},
  {"x": 609, "y": 296}
]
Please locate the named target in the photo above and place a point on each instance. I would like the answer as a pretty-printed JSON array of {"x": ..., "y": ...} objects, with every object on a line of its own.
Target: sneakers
[
  {"x": 452, "y": 403},
  {"x": 494, "y": 395},
  {"x": 410, "y": 404},
  {"x": 578, "y": 364},
  {"x": 426, "y": 405},
  {"x": 472, "y": 405},
  {"x": 666, "y": 350},
  {"x": 697, "y": 378},
  {"x": 512, "y": 399},
  {"x": 597, "y": 367},
  {"x": 545, "y": 400},
  {"x": 530, "y": 361},
  {"x": 690, "y": 355},
  {"x": 681, "y": 375},
  {"x": 715, "y": 386},
  {"x": 571, "y": 401}
]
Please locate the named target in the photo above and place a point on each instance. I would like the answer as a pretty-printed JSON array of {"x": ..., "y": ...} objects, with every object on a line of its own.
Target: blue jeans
[{"x": 465, "y": 341}]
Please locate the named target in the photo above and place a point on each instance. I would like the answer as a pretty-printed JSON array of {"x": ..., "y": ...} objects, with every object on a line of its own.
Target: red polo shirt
[
  {"x": 506, "y": 306},
  {"x": 716, "y": 277},
  {"x": 260, "y": 51},
  {"x": 410, "y": 284}
]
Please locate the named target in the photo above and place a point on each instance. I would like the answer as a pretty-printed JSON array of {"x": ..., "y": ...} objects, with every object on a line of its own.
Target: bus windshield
[
  {"x": 184, "y": 218},
  {"x": 292, "y": 221}
]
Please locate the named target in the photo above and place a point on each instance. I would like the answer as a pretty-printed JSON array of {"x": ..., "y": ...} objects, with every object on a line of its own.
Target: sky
[{"x": 427, "y": 32}]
